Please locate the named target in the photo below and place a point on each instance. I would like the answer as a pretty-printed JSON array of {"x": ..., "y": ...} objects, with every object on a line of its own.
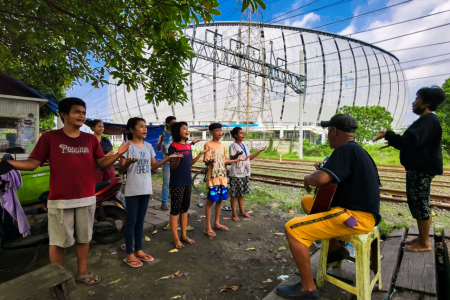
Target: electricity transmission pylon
[{"x": 248, "y": 96}]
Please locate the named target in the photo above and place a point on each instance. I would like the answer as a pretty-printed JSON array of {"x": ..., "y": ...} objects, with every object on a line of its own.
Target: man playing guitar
[{"x": 354, "y": 208}]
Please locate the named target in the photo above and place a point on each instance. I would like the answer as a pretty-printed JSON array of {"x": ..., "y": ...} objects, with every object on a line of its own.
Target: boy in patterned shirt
[{"x": 216, "y": 183}]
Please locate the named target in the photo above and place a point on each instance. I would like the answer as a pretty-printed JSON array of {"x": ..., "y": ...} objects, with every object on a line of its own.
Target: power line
[
  {"x": 392, "y": 24},
  {"x": 294, "y": 10},
  {"x": 317, "y": 9}
]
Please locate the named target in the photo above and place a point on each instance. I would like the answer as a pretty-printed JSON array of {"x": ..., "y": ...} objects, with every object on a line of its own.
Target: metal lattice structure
[
  {"x": 339, "y": 71},
  {"x": 248, "y": 98}
]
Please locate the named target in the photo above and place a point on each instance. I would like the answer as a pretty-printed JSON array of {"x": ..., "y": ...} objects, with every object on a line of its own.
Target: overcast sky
[{"x": 313, "y": 17}]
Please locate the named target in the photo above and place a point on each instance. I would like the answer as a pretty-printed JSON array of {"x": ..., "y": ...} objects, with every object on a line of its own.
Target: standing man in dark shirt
[
  {"x": 354, "y": 209},
  {"x": 421, "y": 155}
]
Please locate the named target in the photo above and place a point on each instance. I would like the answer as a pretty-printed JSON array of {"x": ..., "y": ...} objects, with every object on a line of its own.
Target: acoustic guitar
[{"x": 323, "y": 195}]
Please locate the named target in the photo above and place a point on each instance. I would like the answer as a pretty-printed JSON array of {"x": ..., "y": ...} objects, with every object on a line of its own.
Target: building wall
[
  {"x": 339, "y": 71},
  {"x": 16, "y": 119}
]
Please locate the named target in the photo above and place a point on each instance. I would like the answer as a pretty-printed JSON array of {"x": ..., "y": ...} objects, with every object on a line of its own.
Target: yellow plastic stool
[{"x": 365, "y": 253}]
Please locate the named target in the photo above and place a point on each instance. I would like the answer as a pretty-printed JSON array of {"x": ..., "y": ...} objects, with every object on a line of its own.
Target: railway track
[
  {"x": 392, "y": 195},
  {"x": 435, "y": 182},
  {"x": 381, "y": 168}
]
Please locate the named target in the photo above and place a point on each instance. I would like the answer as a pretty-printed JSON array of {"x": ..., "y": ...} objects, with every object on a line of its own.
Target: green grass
[{"x": 388, "y": 156}]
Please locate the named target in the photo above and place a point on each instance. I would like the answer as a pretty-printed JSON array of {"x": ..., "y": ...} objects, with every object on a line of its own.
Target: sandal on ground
[
  {"x": 226, "y": 208},
  {"x": 128, "y": 262},
  {"x": 83, "y": 278},
  {"x": 221, "y": 228},
  {"x": 188, "y": 228},
  {"x": 209, "y": 233},
  {"x": 146, "y": 258},
  {"x": 164, "y": 207}
]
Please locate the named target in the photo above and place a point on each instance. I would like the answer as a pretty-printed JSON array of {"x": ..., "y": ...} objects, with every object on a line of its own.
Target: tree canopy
[
  {"x": 50, "y": 44},
  {"x": 443, "y": 114},
  {"x": 370, "y": 119}
]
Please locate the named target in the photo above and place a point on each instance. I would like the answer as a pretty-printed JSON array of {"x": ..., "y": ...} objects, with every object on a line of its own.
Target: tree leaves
[
  {"x": 56, "y": 43},
  {"x": 443, "y": 113},
  {"x": 370, "y": 119}
]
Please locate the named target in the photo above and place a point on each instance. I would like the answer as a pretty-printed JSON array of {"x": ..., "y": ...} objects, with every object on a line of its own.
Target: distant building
[{"x": 339, "y": 71}]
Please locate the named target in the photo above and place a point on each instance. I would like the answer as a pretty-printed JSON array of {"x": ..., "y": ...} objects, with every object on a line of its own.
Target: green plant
[
  {"x": 141, "y": 43},
  {"x": 370, "y": 119}
]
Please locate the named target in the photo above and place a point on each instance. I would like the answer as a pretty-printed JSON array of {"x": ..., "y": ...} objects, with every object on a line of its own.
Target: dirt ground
[{"x": 205, "y": 267}]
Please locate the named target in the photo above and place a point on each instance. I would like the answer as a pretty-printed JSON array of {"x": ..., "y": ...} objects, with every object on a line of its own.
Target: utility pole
[
  {"x": 248, "y": 104},
  {"x": 301, "y": 100}
]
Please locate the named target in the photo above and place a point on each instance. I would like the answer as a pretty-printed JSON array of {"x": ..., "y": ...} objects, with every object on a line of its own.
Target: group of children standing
[{"x": 177, "y": 163}]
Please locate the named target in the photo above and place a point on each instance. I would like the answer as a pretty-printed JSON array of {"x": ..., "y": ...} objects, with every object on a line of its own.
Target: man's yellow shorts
[{"x": 328, "y": 224}]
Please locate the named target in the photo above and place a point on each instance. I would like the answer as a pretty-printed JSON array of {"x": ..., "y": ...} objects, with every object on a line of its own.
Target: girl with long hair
[{"x": 138, "y": 163}]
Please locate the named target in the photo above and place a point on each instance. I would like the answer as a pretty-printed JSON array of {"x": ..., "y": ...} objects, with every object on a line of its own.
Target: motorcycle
[{"x": 109, "y": 220}]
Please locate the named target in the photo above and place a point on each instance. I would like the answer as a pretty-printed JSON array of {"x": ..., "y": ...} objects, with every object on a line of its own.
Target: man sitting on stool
[{"x": 354, "y": 208}]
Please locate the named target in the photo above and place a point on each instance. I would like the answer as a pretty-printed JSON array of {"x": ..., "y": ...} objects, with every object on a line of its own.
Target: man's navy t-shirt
[
  {"x": 181, "y": 175},
  {"x": 357, "y": 176}
]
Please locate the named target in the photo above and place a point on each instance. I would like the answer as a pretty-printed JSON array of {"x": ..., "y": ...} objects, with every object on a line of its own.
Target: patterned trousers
[{"x": 418, "y": 186}]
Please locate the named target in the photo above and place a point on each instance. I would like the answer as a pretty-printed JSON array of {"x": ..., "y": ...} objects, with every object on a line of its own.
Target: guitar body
[{"x": 323, "y": 197}]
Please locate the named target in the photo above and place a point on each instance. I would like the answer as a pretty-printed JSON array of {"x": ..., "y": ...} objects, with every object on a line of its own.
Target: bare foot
[
  {"x": 209, "y": 232},
  {"x": 187, "y": 240},
  {"x": 178, "y": 244},
  {"x": 417, "y": 247},
  {"x": 411, "y": 242},
  {"x": 236, "y": 218},
  {"x": 220, "y": 227},
  {"x": 244, "y": 214}
]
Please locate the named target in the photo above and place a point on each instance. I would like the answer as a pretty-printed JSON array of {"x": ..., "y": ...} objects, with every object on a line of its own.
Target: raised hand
[
  {"x": 386, "y": 145},
  {"x": 124, "y": 147},
  {"x": 243, "y": 158},
  {"x": 110, "y": 153},
  {"x": 380, "y": 136},
  {"x": 239, "y": 153},
  {"x": 176, "y": 155},
  {"x": 131, "y": 160},
  {"x": 209, "y": 161},
  {"x": 196, "y": 140},
  {"x": 262, "y": 149}
]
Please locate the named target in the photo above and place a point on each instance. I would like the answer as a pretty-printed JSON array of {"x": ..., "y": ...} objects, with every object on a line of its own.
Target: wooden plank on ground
[
  {"x": 397, "y": 232},
  {"x": 408, "y": 295},
  {"x": 37, "y": 284},
  {"x": 446, "y": 242},
  {"x": 328, "y": 292},
  {"x": 414, "y": 230},
  {"x": 418, "y": 271}
]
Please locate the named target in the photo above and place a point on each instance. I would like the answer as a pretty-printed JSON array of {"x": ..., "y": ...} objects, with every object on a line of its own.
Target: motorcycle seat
[{"x": 101, "y": 185}]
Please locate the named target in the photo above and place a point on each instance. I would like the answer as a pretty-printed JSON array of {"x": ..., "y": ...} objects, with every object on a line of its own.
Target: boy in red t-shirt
[{"x": 71, "y": 201}]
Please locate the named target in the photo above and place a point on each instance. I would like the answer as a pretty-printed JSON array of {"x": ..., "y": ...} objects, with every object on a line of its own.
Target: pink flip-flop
[
  {"x": 128, "y": 262},
  {"x": 147, "y": 259}
]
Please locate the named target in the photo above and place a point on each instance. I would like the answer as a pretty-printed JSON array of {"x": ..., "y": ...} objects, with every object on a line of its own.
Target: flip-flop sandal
[
  {"x": 128, "y": 262},
  {"x": 164, "y": 207},
  {"x": 221, "y": 228},
  {"x": 209, "y": 234},
  {"x": 149, "y": 260},
  {"x": 226, "y": 208},
  {"x": 83, "y": 278},
  {"x": 189, "y": 228}
]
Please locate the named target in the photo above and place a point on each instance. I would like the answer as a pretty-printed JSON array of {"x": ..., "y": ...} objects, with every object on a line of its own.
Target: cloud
[
  {"x": 405, "y": 12},
  {"x": 311, "y": 18}
]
